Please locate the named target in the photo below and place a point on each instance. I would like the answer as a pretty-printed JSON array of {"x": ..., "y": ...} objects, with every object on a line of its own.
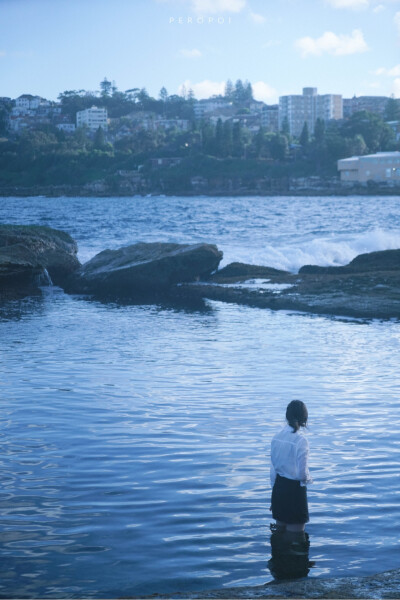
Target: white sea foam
[{"x": 334, "y": 250}]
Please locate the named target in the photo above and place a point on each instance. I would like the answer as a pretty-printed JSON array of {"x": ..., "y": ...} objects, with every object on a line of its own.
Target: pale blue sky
[{"x": 340, "y": 46}]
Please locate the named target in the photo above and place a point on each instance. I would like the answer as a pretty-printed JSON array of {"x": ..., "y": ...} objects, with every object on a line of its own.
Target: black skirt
[{"x": 289, "y": 501}]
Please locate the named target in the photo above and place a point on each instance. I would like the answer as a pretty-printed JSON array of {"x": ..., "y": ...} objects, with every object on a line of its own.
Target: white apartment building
[
  {"x": 382, "y": 166},
  {"x": 329, "y": 106},
  {"x": 27, "y": 102},
  {"x": 93, "y": 118},
  {"x": 307, "y": 108}
]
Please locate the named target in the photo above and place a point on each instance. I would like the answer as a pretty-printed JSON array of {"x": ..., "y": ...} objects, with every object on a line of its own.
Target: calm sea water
[{"x": 135, "y": 439}]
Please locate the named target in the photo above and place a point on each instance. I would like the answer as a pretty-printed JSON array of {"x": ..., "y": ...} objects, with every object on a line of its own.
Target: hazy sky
[{"x": 340, "y": 46}]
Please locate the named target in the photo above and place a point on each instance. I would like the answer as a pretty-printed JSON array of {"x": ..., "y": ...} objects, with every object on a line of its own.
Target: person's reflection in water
[{"x": 289, "y": 554}]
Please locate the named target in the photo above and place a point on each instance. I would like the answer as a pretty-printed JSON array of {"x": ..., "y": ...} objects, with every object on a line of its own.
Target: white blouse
[{"x": 289, "y": 456}]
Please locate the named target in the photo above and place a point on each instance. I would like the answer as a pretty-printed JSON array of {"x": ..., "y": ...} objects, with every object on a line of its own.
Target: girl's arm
[
  {"x": 302, "y": 462},
  {"x": 272, "y": 475}
]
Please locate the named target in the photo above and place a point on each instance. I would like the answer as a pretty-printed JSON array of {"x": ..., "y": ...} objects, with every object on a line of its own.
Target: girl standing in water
[{"x": 289, "y": 471}]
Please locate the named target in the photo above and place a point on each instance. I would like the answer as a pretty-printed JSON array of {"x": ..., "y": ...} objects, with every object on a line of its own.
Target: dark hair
[{"x": 296, "y": 414}]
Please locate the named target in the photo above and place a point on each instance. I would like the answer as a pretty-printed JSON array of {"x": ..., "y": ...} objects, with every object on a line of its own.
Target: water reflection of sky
[{"x": 135, "y": 444}]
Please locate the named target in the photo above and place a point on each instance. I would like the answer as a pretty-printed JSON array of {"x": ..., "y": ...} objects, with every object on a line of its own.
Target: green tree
[
  {"x": 239, "y": 93},
  {"x": 377, "y": 134},
  {"x": 285, "y": 129},
  {"x": 227, "y": 139},
  {"x": 237, "y": 139},
  {"x": 248, "y": 91},
  {"x": 259, "y": 142},
  {"x": 73, "y": 101},
  {"x": 3, "y": 120},
  {"x": 105, "y": 87},
  {"x": 319, "y": 131},
  {"x": 114, "y": 89},
  {"x": 304, "y": 136},
  {"x": 392, "y": 111},
  {"x": 219, "y": 139},
  {"x": 357, "y": 145},
  {"x": 279, "y": 147},
  {"x": 99, "y": 141},
  {"x": 229, "y": 90},
  {"x": 163, "y": 94},
  {"x": 80, "y": 137},
  {"x": 207, "y": 135}
]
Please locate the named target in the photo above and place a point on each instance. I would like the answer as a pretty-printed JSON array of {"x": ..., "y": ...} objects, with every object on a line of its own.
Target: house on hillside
[{"x": 93, "y": 118}]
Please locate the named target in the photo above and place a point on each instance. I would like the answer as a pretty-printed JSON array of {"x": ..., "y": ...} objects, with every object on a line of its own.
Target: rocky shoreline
[
  {"x": 384, "y": 585},
  {"x": 101, "y": 191},
  {"x": 30, "y": 256}
]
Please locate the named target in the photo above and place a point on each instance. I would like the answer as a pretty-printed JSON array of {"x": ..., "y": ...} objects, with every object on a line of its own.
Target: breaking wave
[{"x": 335, "y": 250}]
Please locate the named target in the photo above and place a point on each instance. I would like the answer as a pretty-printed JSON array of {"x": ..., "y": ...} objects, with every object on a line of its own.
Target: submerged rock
[
  {"x": 144, "y": 268},
  {"x": 26, "y": 251}
]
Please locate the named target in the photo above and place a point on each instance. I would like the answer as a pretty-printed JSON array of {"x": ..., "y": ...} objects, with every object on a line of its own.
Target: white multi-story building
[
  {"x": 92, "y": 118},
  {"x": 329, "y": 106},
  {"x": 307, "y": 108},
  {"x": 27, "y": 102}
]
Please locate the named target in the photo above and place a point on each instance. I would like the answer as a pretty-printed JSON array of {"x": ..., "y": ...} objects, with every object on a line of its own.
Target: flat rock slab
[
  {"x": 368, "y": 287},
  {"x": 145, "y": 267}
]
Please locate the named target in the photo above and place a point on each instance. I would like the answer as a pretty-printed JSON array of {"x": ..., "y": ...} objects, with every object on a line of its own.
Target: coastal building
[
  {"x": 307, "y": 108},
  {"x": 329, "y": 106},
  {"x": 202, "y": 107},
  {"x": 374, "y": 104},
  {"x": 27, "y": 102},
  {"x": 270, "y": 118},
  {"x": 179, "y": 124},
  {"x": 251, "y": 122},
  {"x": 382, "y": 166},
  {"x": 92, "y": 118},
  {"x": 30, "y": 111},
  {"x": 165, "y": 162},
  {"x": 66, "y": 127},
  {"x": 256, "y": 106}
]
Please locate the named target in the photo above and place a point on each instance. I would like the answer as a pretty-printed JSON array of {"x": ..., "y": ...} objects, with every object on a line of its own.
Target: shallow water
[{"x": 135, "y": 438}]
